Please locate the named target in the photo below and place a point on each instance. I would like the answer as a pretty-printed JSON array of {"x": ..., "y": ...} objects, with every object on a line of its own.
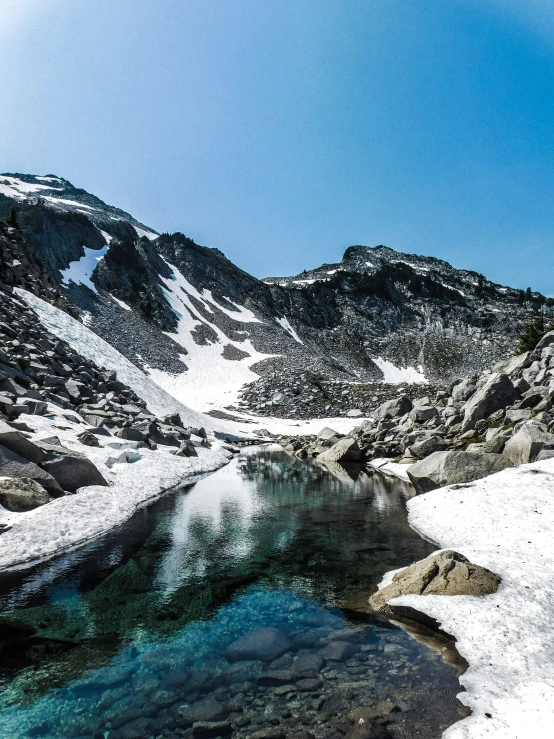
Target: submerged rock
[
  {"x": 445, "y": 573},
  {"x": 265, "y": 643}
]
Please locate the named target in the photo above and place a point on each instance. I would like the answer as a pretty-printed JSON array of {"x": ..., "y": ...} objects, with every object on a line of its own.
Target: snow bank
[
  {"x": 396, "y": 375},
  {"x": 211, "y": 381},
  {"x": 289, "y": 329},
  {"x": 91, "y": 346},
  {"x": 506, "y": 523},
  {"x": 75, "y": 519},
  {"x": 80, "y": 270}
]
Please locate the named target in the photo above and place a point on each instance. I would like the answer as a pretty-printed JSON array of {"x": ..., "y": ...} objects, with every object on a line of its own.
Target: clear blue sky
[{"x": 282, "y": 131}]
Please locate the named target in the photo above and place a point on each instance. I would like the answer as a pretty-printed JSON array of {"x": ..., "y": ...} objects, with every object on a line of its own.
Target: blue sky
[{"x": 283, "y": 131}]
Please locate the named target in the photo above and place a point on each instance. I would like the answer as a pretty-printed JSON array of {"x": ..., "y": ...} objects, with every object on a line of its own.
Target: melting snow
[
  {"x": 120, "y": 303},
  {"x": 211, "y": 381},
  {"x": 289, "y": 329},
  {"x": 505, "y": 523},
  {"x": 80, "y": 271},
  {"x": 241, "y": 314},
  {"x": 74, "y": 203},
  {"x": 149, "y": 234},
  {"x": 396, "y": 375},
  {"x": 91, "y": 346},
  {"x": 15, "y": 188}
]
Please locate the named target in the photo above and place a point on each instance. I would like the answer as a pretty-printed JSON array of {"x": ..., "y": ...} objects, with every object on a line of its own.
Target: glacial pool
[{"x": 226, "y": 610}]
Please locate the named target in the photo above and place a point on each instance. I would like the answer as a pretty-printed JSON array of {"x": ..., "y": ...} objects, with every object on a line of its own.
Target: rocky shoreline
[{"x": 478, "y": 426}]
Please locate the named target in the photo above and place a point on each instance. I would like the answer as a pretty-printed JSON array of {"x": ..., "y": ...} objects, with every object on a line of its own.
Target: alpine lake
[{"x": 234, "y": 607}]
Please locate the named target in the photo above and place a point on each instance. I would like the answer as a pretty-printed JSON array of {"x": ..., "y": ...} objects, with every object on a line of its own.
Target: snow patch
[
  {"x": 80, "y": 271},
  {"x": 91, "y": 346},
  {"x": 135, "y": 480},
  {"x": 149, "y": 234},
  {"x": 289, "y": 329},
  {"x": 211, "y": 381},
  {"x": 396, "y": 375},
  {"x": 120, "y": 303}
]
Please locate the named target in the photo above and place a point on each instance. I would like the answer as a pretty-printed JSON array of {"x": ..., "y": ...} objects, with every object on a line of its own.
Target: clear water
[{"x": 137, "y": 635}]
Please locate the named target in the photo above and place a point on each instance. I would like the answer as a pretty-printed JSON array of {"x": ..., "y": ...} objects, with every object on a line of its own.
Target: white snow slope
[
  {"x": 396, "y": 375},
  {"x": 211, "y": 381},
  {"x": 506, "y": 523},
  {"x": 73, "y": 520},
  {"x": 91, "y": 346}
]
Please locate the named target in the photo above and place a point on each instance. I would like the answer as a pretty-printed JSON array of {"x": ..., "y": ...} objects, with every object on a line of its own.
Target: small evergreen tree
[
  {"x": 12, "y": 219},
  {"x": 531, "y": 336}
]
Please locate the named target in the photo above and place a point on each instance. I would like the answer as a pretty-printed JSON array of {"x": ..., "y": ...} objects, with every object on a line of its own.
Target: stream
[{"x": 226, "y": 610}]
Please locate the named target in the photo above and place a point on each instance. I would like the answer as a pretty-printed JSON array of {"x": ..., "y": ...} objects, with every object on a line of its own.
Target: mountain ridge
[{"x": 198, "y": 323}]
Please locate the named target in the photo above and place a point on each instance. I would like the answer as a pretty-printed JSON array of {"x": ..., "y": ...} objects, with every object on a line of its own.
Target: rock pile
[
  {"x": 37, "y": 369},
  {"x": 310, "y": 395},
  {"x": 476, "y": 427}
]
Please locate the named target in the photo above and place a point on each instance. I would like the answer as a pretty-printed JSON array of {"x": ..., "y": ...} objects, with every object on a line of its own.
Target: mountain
[{"x": 338, "y": 337}]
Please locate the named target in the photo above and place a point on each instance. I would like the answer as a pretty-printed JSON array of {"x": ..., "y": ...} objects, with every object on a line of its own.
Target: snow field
[
  {"x": 506, "y": 523},
  {"x": 73, "y": 520}
]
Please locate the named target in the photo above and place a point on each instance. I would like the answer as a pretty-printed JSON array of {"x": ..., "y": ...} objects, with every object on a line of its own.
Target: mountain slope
[{"x": 216, "y": 337}]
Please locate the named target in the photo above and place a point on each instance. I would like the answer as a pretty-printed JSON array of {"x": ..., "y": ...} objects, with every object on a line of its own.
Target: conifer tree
[{"x": 531, "y": 336}]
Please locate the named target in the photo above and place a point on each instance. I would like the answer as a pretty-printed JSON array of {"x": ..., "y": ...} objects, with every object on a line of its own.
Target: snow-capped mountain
[{"x": 211, "y": 334}]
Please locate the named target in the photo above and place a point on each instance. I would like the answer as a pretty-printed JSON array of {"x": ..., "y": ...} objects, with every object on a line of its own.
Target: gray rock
[
  {"x": 515, "y": 415},
  {"x": 131, "y": 433},
  {"x": 445, "y": 573},
  {"x": 187, "y": 449},
  {"x": 527, "y": 443},
  {"x": 422, "y": 413},
  {"x": 447, "y": 468},
  {"x": 496, "y": 393},
  {"x": 338, "y": 651},
  {"x": 71, "y": 469},
  {"x": 545, "y": 454},
  {"x": 208, "y": 709},
  {"x": 13, "y": 465},
  {"x": 393, "y": 408},
  {"x": 265, "y": 643},
  {"x": 22, "y": 494},
  {"x": 514, "y": 365},
  {"x": 327, "y": 433},
  {"x": 463, "y": 390},
  {"x": 425, "y": 447},
  {"x": 211, "y": 729},
  {"x": 16, "y": 442},
  {"x": 345, "y": 450},
  {"x": 546, "y": 340}
]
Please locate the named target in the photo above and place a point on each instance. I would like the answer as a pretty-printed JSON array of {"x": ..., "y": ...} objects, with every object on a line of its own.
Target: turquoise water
[{"x": 224, "y": 610}]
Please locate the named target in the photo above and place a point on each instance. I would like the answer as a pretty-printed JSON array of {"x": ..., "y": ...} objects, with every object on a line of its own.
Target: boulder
[
  {"x": 345, "y": 450},
  {"x": 71, "y": 469},
  {"x": 16, "y": 442},
  {"x": 22, "y": 494},
  {"x": 515, "y": 415},
  {"x": 338, "y": 651},
  {"x": 131, "y": 433},
  {"x": 496, "y": 393},
  {"x": 463, "y": 390},
  {"x": 422, "y": 413},
  {"x": 445, "y": 573},
  {"x": 393, "y": 408},
  {"x": 446, "y": 468},
  {"x": 327, "y": 433},
  {"x": 527, "y": 443},
  {"x": 425, "y": 447},
  {"x": 13, "y": 465},
  {"x": 187, "y": 449},
  {"x": 546, "y": 340},
  {"x": 265, "y": 643},
  {"x": 514, "y": 365}
]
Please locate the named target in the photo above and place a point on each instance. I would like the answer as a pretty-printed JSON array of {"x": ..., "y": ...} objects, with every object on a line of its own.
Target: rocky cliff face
[{"x": 326, "y": 341}]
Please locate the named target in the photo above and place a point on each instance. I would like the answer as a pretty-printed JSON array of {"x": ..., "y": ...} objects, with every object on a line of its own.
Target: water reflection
[{"x": 269, "y": 542}]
